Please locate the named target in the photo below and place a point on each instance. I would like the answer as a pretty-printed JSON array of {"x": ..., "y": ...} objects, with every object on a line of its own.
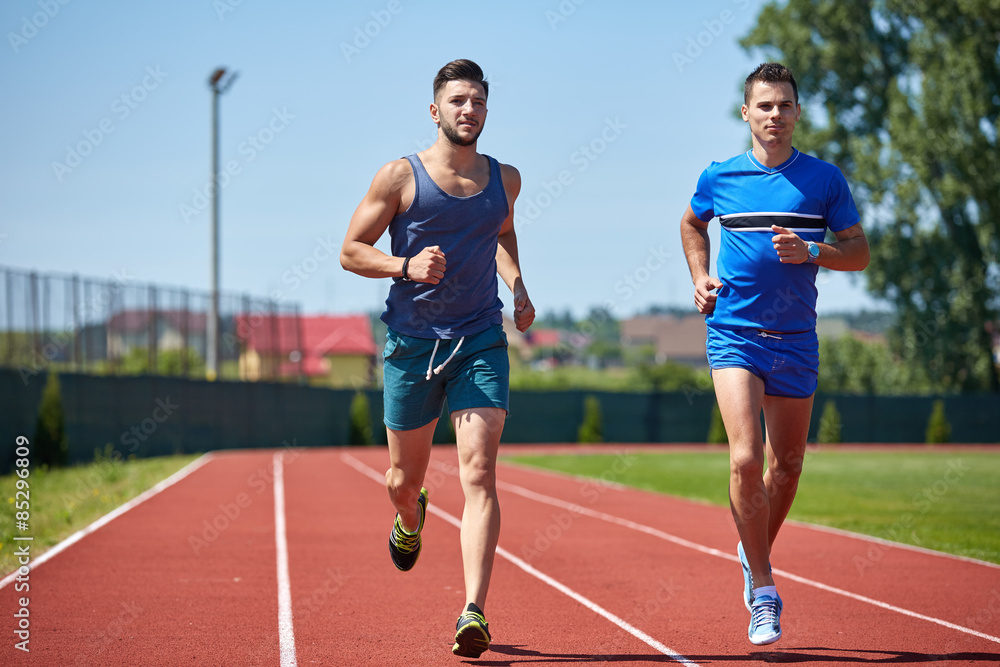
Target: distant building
[
  {"x": 333, "y": 350},
  {"x": 155, "y": 329},
  {"x": 679, "y": 338}
]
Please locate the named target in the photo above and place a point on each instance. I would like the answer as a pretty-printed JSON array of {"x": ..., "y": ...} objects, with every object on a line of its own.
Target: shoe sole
[
  {"x": 765, "y": 640},
  {"x": 471, "y": 641}
]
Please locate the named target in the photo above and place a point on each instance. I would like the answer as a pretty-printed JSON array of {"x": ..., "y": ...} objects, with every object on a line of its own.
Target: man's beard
[{"x": 452, "y": 135}]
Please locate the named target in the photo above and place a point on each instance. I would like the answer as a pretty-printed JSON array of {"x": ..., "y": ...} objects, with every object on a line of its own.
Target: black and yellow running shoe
[
  {"x": 404, "y": 547},
  {"x": 472, "y": 636}
]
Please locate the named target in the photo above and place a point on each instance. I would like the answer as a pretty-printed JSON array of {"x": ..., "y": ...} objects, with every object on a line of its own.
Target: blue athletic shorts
[
  {"x": 787, "y": 363},
  {"x": 477, "y": 376}
]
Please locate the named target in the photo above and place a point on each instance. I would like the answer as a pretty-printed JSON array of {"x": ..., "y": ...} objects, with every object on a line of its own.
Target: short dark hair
[
  {"x": 769, "y": 73},
  {"x": 460, "y": 70}
]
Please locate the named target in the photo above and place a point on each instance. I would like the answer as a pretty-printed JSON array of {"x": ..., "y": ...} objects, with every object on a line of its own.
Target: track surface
[{"x": 586, "y": 572}]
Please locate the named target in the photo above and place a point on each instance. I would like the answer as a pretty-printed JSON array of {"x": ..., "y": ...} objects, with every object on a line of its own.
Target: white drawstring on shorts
[{"x": 430, "y": 364}]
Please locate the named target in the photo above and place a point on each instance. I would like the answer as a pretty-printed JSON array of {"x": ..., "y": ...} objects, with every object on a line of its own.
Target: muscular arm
[
  {"x": 849, "y": 253},
  {"x": 370, "y": 220},
  {"x": 508, "y": 264},
  {"x": 697, "y": 250}
]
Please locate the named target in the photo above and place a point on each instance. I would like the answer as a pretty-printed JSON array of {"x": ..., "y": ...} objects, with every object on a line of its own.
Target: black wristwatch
[{"x": 406, "y": 264}]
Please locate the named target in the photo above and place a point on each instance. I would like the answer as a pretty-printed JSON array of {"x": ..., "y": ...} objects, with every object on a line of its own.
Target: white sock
[{"x": 770, "y": 591}]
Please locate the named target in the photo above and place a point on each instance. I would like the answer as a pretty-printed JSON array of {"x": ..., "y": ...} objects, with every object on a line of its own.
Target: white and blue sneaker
[
  {"x": 765, "y": 617},
  {"x": 747, "y": 577}
]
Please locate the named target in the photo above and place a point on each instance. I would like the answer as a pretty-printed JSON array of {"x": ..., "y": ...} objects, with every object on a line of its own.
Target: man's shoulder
[
  {"x": 809, "y": 161},
  {"x": 509, "y": 174},
  {"x": 736, "y": 163},
  {"x": 395, "y": 174}
]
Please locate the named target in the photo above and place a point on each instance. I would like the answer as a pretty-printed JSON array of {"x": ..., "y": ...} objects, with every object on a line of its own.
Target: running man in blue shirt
[
  {"x": 775, "y": 205},
  {"x": 449, "y": 211}
]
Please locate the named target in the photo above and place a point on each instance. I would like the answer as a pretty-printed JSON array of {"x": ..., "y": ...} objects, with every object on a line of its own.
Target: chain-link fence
[{"x": 118, "y": 327}]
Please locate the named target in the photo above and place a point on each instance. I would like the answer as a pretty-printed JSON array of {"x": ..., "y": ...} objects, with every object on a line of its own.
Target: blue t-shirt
[{"x": 803, "y": 194}]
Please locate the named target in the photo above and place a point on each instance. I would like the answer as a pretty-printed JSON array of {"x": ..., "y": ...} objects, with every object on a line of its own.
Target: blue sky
[{"x": 609, "y": 110}]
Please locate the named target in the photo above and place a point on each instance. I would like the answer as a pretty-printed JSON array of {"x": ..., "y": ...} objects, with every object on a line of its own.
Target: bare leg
[
  {"x": 740, "y": 394},
  {"x": 477, "y": 432},
  {"x": 409, "y": 454},
  {"x": 787, "y": 422}
]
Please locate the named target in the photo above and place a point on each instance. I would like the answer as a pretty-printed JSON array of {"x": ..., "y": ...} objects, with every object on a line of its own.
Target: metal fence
[{"x": 118, "y": 327}]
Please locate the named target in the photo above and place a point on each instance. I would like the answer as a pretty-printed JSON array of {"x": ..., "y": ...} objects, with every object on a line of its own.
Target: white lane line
[
  {"x": 889, "y": 543},
  {"x": 286, "y": 631},
  {"x": 112, "y": 515},
  {"x": 578, "y": 509},
  {"x": 562, "y": 588}
]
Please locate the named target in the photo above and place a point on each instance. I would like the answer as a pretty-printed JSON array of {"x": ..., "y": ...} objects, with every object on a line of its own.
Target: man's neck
[
  {"x": 772, "y": 156},
  {"x": 462, "y": 159}
]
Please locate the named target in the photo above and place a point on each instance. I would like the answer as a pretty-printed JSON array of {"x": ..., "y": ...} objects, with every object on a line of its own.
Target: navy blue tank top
[{"x": 466, "y": 301}]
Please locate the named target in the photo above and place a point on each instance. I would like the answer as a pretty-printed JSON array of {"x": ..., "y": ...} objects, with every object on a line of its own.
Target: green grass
[
  {"x": 942, "y": 499},
  {"x": 64, "y": 500}
]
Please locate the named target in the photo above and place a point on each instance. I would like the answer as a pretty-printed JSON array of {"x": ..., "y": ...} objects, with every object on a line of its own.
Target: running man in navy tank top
[
  {"x": 775, "y": 206},
  {"x": 449, "y": 211}
]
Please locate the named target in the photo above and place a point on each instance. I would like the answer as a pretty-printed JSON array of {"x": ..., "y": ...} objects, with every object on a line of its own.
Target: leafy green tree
[
  {"x": 904, "y": 96},
  {"x": 51, "y": 446},
  {"x": 851, "y": 366},
  {"x": 669, "y": 376}
]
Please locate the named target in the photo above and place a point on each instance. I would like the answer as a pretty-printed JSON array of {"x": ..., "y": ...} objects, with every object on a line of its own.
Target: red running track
[{"x": 212, "y": 570}]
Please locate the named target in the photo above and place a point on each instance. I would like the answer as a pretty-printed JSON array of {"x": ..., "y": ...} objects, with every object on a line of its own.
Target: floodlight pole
[{"x": 218, "y": 86}]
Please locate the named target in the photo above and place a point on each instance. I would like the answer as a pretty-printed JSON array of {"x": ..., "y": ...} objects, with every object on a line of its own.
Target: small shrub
[
  {"x": 829, "y": 424},
  {"x": 716, "y": 427},
  {"x": 938, "y": 428},
  {"x": 51, "y": 446},
  {"x": 361, "y": 421},
  {"x": 591, "y": 430}
]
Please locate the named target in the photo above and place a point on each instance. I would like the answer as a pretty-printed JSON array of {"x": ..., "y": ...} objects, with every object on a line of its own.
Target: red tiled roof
[
  {"x": 543, "y": 337},
  {"x": 320, "y": 335}
]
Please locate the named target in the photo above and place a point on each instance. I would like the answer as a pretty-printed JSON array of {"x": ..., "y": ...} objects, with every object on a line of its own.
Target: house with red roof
[{"x": 329, "y": 350}]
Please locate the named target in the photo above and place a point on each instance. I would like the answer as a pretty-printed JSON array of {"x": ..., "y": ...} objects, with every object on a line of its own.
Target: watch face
[{"x": 813, "y": 251}]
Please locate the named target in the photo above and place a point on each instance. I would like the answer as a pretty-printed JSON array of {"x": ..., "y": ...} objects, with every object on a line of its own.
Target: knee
[
  {"x": 401, "y": 488},
  {"x": 787, "y": 470},
  {"x": 746, "y": 463},
  {"x": 479, "y": 475}
]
